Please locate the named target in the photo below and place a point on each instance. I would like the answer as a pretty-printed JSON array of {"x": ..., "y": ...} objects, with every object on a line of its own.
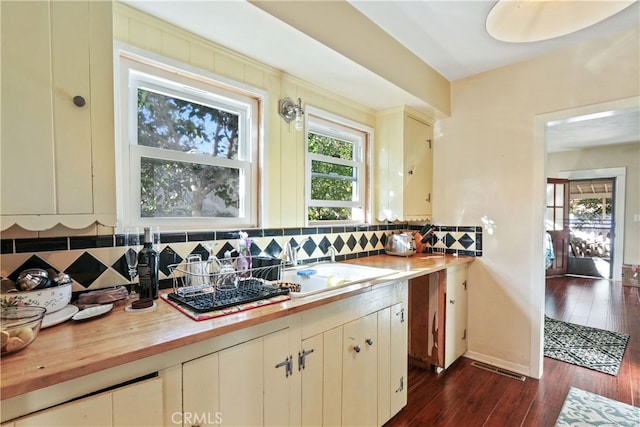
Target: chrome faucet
[
  {"x": 332, "y": 252},
  {"x": 291, "y": 252}
]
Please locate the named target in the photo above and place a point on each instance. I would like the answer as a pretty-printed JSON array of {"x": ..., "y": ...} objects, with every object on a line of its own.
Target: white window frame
[
  {"x": 322, "y": 122},
  {"x": 172, "y": 78}
]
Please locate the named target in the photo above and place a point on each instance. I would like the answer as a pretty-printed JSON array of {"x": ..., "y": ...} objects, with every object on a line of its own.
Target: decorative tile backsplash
[{"x": 98, "y": 261}]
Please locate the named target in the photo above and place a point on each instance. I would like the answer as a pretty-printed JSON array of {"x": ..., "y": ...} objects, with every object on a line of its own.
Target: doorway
[{"x": 591, "y": 227}]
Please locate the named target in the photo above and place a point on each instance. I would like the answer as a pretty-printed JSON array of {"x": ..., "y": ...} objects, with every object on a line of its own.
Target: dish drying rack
[{"x": 217, "y": 284}]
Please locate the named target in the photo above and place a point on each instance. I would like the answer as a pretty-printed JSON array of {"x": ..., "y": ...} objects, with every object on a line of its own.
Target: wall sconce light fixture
[{"x": 290, "y": 111}]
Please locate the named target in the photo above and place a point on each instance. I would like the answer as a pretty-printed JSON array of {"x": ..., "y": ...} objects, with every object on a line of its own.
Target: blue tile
[
  {"x": 271, "y": 232},
  {"x": 203, "y": 236},
  {"x": 173, "y": 237},
  {"x": 33, "y": 262},
  {"x": 42, "y": 245},
  {"x": 169, "y": 257},
  {"x": 6, "y": 246},
  {"x": 351, "y": 242},
  {"x": 292, "y": 231},
  {"x": 90, "y": 242},
  {"x": 466, "y": 240},
  {"x": 273, "y": 249},
  {"x": 363, "y": 241},
  {"x": 338, "y": 244},
  {"x": 86, "y": 269}
]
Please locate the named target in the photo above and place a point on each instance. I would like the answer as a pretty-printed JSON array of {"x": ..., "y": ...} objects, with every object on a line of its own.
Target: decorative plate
[{"x": 92, "y": 312}]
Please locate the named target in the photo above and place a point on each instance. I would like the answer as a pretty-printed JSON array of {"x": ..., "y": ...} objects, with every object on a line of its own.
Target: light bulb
[{"x": 298, "y": 124}]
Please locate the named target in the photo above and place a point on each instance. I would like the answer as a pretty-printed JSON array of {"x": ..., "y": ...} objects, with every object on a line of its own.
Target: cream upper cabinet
[
  {"x": 57, "y": 114},
  {"x": 404, "y": 178}
]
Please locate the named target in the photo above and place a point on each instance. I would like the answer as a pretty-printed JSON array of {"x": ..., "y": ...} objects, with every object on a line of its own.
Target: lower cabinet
[
  {"x": 355, "y": 374},
  {"x": 438, "y": 317},
  {"x": 138, "y": 404},
  {"x": 244, "y": 385},
  {"x": 455, "y": 343},
  {"x": 343, "y": 363}
]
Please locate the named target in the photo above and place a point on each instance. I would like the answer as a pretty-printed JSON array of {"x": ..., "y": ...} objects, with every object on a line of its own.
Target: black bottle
[{"x": 148, "y": 268}]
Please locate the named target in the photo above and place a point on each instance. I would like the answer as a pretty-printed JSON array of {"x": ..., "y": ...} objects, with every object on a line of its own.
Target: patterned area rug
[
  {"x": 582, "y": 409},
  {"x": 591, "y": 348}
]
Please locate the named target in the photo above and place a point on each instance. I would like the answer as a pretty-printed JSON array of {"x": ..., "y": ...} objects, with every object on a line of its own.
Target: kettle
[{"x": 400, "y": 244}]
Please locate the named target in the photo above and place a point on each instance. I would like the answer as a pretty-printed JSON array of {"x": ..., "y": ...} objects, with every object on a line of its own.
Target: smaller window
[{"x": 336, "y": 169}]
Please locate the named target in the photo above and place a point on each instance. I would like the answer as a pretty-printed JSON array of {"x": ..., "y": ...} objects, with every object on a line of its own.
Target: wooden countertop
[{"x": 75, "y": 349}]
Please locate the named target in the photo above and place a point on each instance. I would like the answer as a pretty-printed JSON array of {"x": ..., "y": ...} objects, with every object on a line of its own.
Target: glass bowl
[{"x": 19, "y": 327}]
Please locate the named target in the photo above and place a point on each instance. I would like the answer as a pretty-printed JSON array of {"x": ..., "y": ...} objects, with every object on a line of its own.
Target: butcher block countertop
[{"x": 75, "y": 349}]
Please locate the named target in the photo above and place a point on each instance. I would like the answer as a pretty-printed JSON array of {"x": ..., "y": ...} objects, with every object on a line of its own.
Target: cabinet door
[
  {"x": 200, "y": 390},
  {"x": 398, "y": 371},
  {"x": 456, "y": 314},
  {"x": 359, "y": 379},
  {"x": 240, "y": 385},
  {"x": 322, "y": 379},
  {"x": 27, "y": 122},
  {"x": 384, "y": 365},
  {"x": 241, "y": 371},
  {"x": 62, "y": 153},
  {"x": 418, "y": 162},
  {"x": 312, "y": 381},
  {"x": 276, "y": 379},
  {"x": 90, "y": 411},
  {"x": 139, "y": 404}
]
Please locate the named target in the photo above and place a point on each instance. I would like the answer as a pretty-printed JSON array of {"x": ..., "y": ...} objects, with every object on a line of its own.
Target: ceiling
[
  {"x": 591, "y": 189},
  {"x": 449, "y": 35}
]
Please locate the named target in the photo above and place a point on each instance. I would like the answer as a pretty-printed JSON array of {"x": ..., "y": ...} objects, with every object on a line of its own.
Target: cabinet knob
[
  {"x": 369, "y": 341},
  {"x": 356, "y": 348},
  {"x": 411, "y": 172},
  {"x": 452, "y": 301},
  {"x": 79, "y": 101}
]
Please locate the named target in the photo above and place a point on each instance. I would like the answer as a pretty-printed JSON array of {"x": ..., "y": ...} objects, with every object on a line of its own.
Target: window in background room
[
  {"x": 336, "y": 169},
  {"x": 188, "y": 155}
]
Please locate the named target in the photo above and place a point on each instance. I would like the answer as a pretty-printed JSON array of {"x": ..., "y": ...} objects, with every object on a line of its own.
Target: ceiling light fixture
[
  {"x": 290, "y": 111},
  {"x": 520, "y": 21}
]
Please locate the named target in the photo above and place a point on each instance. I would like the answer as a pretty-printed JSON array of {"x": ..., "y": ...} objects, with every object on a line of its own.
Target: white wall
[{"x": 490, "y": 167}]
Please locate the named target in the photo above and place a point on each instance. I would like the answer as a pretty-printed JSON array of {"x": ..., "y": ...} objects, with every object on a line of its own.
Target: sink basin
[{"x": 323, "y": 277}]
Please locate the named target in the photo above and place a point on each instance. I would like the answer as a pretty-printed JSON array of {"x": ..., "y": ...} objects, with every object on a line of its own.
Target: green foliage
[
  {"x": 184, "y": 189},
  {"x": 337, "y": 181},
  {"x": 590, "y": 208}
]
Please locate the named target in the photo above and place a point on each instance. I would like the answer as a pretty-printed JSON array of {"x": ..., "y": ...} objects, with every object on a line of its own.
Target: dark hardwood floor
[{"x": 465, "y": 395}]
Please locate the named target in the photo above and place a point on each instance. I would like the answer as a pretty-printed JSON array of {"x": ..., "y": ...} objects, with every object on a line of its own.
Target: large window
[
  {"x": 188, "y": 156},
  {"x": 336, "y": 169}
]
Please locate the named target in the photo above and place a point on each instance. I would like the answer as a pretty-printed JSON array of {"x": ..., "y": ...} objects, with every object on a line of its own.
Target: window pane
[
  {"x": 173, "y": 189},
  {"x": 550, "y": 220},
  {"x": 559, "y": 225},
  {"x": 179, "y": 125},
  {"x": 330, "y": 181},
  {"x": 559, "y": 195},
  {"x": 331, "y": 147},
  {"x": 339, "y": 171},
  {"x": 550, "y": 194}
]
